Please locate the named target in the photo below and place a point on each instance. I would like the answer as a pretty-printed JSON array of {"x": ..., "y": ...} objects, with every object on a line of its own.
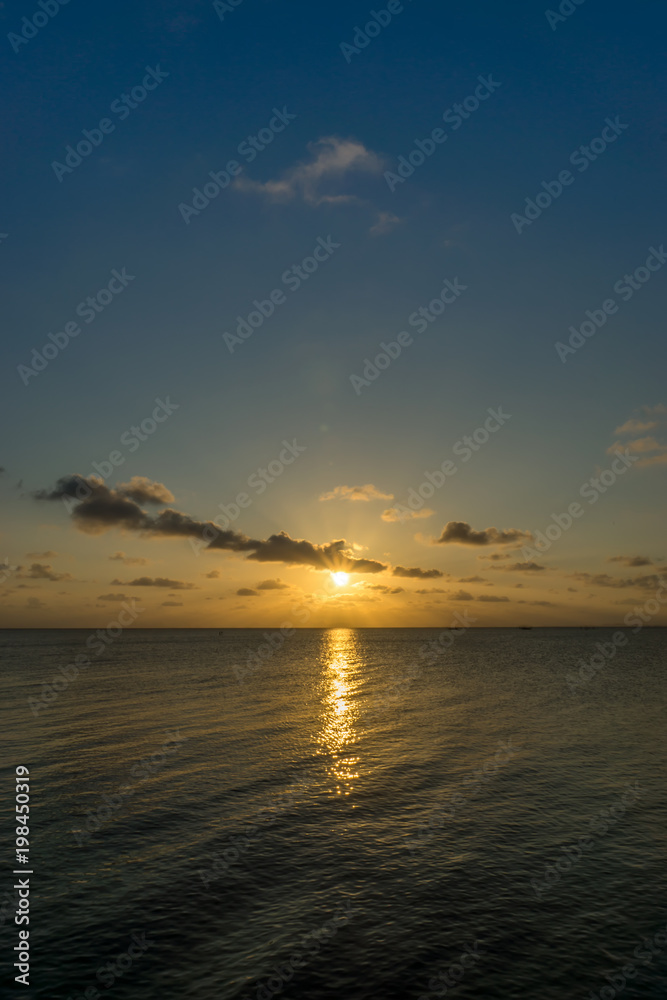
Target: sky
[{"x": 216, "y": 218}]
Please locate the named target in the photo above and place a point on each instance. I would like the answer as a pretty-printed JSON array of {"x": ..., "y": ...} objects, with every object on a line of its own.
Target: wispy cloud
[
  {"x": 392, "y": 514},
  {"x": 364, "y": 493}
]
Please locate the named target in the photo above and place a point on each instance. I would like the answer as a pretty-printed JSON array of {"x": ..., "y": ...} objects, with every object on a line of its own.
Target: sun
[{"x": 340, "y": 579}]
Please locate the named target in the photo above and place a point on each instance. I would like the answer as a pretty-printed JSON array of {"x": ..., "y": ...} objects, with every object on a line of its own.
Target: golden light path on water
[{"x": 341, "y": 659}]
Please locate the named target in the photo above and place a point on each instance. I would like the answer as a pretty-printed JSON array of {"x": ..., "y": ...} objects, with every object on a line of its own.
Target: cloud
[
  {"x": 472, "y": 579},
  {"x": 319, "y": 179},
  {"x": 213, "y": 575},
  {"x": 496, "y": 556},
  {"x": 246, "y": 592},
  {"x": 461, "y": 595},
  {"x": 385, "y": 590},
  {"x": 461, "y": 533},
  {"x": 103, "y": 508},
  {"x": 651, "y": 581},
  {"x": 128, "y": 560},
  {"x": 39, "y": 571},
  {"x": 432, "y": 590},
  {"x": 158, "y": 581},
  {"x": 492, "y": 598},
  {"x": 394, "y": 514},
  {"x": 367, "y": 492},
  {"x": 521, "y": 567},
  {"x": 41, "y": 555},
  {"x": 272, "y": 585},
  {"x": 414, "y": 573},
  {"x": 653, "y": 448},
  {"x": 386, "y": 221},
  {"x": 144, "y": 490},
  {"x": 172, "y": 604},
  {"x": 632, "y": 560},
  {"x": 34, "y": 604},
  {"x": 112, "y": 597}
]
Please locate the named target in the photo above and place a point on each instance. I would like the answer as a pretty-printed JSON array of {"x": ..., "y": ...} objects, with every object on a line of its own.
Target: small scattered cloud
[
  {"x": 415, "y": 573},
  {"x": 460, "y": 533},
  {"x": 272, "y": 585},
  {"x": 461, "y": 595},
  {"x": 112, "y": 597},
  {"x": 34, "y": 604},
  {"x": 321, "y": 178},
  {"x": 385, "y": 222},
  {"x": 492, "y": 599},
  {"x": 246, "y": 592},
  {"x": 393, "y": 514},
  {"x": 651, "y": 581},
  {"x": 158, "y": 581},
  {"x": 40, "y": 571},
  {"x": 42, "y": 555},
  {"x": 521, "y": 567},
  {"x": 213, "y": 575},
  {"x": 632, "y": 560},
  {"x": 367, "y": 492},
  {"x": 472, "y": 579},
  {"x": 432, "y": 590},
  {"x": 651, "y": 447},
  {"x": 128, "y": 560},
  {"x": 383, "y": 589},
  {"x": 495, "y": 556}
]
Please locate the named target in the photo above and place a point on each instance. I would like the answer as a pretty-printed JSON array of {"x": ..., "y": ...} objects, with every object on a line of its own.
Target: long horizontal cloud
[
  {"x": 460, "y": 532},
  {"x": 367, "y": 492},
  {"x": 415, "y": 573},
  {"x": 159, "y": 581},
  {"x": 96, "y": 508}
]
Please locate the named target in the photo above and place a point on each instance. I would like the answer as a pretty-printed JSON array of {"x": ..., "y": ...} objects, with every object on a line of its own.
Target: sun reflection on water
[{"x": 340, "y": 657}]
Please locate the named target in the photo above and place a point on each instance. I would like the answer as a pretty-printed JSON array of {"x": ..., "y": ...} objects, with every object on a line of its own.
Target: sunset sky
[{"x": 326, "y": 204}]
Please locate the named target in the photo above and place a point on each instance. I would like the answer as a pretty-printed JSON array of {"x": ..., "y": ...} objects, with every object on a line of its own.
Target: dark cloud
[
  {"x": 632, "y": 560},
  {"x": 472, "y": 579},
  {"x": 491, "y": 598},
  {"x": 112, "y": 597},
  {"x": 128, "y": 560},
  {"x": 414, "y": 573},
  {"x": 521, "y": 567},
  {"x": 213, "y": 575},
  {"x": 652, "y": 581},
  {"x": 159, "y": 581},
  {"x": 246, "y": 592},
  {"x": 461, "y": 533},
  {"x": 96, "y": 508},
  {"x": 42, "y": 555},
  {"x": 431, "y": 590},
  {"x": 461, "y": 595},
  {"x": 272, "y": 585},
  {"x": 39, "y": 571}
]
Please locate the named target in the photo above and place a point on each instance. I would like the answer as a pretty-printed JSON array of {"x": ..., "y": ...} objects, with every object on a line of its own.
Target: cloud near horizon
[
  {"x": 95, "y": 508},
  {"x": 461, "y": 533}
]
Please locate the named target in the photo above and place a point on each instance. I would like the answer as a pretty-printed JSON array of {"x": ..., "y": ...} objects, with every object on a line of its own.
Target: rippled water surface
[{"x": 364, "y": 802}]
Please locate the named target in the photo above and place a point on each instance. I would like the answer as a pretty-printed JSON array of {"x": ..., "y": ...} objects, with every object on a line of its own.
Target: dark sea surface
[{"x": 366, "y": 802}]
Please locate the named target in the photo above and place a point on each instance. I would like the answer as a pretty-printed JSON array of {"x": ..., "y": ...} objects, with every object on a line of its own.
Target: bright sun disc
[{"x": 340, "y": 579}]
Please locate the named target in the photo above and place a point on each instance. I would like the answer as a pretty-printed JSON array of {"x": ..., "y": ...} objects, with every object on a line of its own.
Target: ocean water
[{"x": 343, "y": 814}]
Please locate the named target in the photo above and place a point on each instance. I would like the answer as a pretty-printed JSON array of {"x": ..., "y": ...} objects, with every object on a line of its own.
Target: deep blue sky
[{"x": 495, "y": 346}]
